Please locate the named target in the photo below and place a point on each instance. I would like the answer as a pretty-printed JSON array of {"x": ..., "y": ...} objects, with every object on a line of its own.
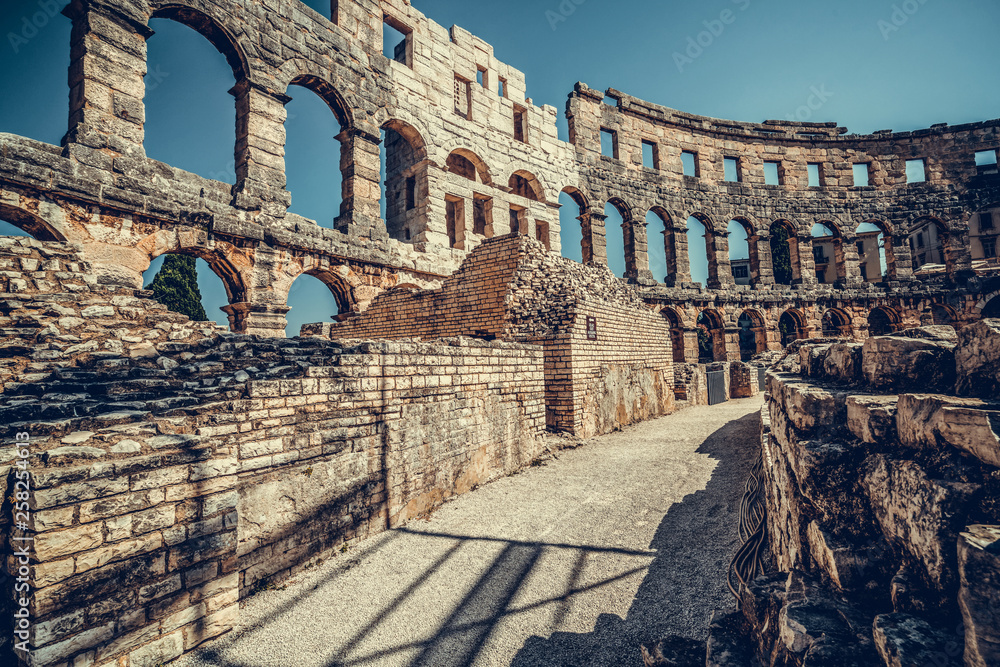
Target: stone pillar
[
  {"x": 691, "y": 350},
  {"x": 360, "y": 164},
  {"x": 257, "y": 319},
  {"x": 683, "y": 274},
  {"x": 107, "y": 66},
  {"x": 959, "y": 246},
  {"x": 636, "y": 252},
  {"x": 807, "y": 263},
  {"x": 852, "y": 260},
  {"x": 260, "y": 150},
  {"x": 898, "y": 259},
  {"x": 731, "y": 336},
  {"x": 760, "y": 255},
  {"x": 595, "y": 234},
  {"x": 718, "y": 249}
]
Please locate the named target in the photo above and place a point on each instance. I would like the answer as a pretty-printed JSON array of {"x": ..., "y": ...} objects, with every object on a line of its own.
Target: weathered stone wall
[
  {"x": 175, "y": 472},
  {"x": 512, "y": 289},
  {"x": 882, "y": 508}
]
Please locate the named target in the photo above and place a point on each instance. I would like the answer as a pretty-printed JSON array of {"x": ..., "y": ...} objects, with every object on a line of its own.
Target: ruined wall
[
  {"x": 512, "y": 289},
  {"x": 881, "y": 480},
  {"x": 174, "y": 472}
]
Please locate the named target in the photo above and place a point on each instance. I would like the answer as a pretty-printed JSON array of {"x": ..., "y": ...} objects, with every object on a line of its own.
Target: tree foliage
[
  {"x": 781, "y": 256},
  {"x": 176, "y": 287}
]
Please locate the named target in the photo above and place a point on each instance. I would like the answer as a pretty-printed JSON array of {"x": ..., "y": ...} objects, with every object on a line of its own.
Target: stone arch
[
  {"x": 584, "y": 225},
  {"x": 752, "y": 334},
  {"x": 710, "y": 321},
  {"x": 792, "y": 326},
  {"x": 931, "y": 243},
  {"x": 885, "y": 247},
  {"x": 404, "y": 153},
  {"x": 456, "y": 164},
  {"x": 883, "y": 321},
  {"x": 784, "y": 228},
  {"x": 328, "y": 93},
  {"x": 31, "y": 223},
  {"x": 836, "y": 324},
  {"x": 753, "y": 255},
  {"x": 676, "y": 333},
  {"x": 626, "y": 234},
  {"x": 711, "y": 260},
  {"x": 211, "y": 24},
  {"x": 226, "y": 260},
  {"x": 669, "y": 244},
  {"x": 989, "y": 306},
  {"x": 943, "y": 314},
  {"x": 525, "y": 184},
  {"x": 828, "y": 251}
]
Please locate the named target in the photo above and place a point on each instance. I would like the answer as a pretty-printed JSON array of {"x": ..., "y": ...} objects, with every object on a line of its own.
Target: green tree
[
  {"x": 781, "y": 256},
  {"x": 176, "y": 287}
]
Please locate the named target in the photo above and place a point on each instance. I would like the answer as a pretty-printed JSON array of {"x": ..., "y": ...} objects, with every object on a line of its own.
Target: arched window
[
  {"x": 943, "y": 315},
  {"x": 190, "y": 117},
  {"x": 311, "y": 301},
  {"x": 698, "y": 250},
  {"x": 929, "y": 247},
  {"x": 836, "y": 324},
  {"x": 404, "y": 206},
  {"x": 828, "y": 253},
  {"x": 992, "y": 308},
  {"x": 711, "y": 337},
  {"x": 572, "y": 206},
  {"x": 658, "y": 238},
  {"x": 617, "y": 213},
  {"x": 676, "y": 333},
  {"x": 739, "y": 252},
  {"x": 189, "y": 285},
  {"x": 753, "y": 335},
  {"x": 785, "y": 253},
  {"x": 791, "y": 326},
  {"x": 882, "y": 321},
  {"x": 873, "y": 252}
]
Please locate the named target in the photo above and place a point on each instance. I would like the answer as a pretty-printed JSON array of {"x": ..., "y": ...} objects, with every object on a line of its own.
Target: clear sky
[{"x": 879, "y": 64}]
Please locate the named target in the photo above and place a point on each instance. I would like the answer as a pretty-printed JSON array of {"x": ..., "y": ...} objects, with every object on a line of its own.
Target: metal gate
[
  {"x": 716, "y": 387},
  {"x": 762, "y": 379}
]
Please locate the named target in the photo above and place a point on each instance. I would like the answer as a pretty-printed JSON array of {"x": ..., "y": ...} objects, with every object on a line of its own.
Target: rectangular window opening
[
  {"x": 609, "y": 143},
  {"x": 396, "y": 41},
  {"x": 861, "y": 175},
  {"x": 815, "y": 176},
  {"x": 772, "y": 173},
  {"x": 861, "y": 248},
  {"x": 455, "y": 219},
  {"x": 411, "y": 193},
  {"x": 520, "y": 124},
  {"x": 482, "y": 78},
  {"x": 480, "y": 215},
  {"x": 731, "y": 170},
  {"x": 501, "y": 86},
  {"x": 650, "y": 155},
  {"x": 689, "y": 162},
  {"x": 985, "y": 221},
  {"x": 515, "y": 220},
  {"x": 986, "y": 162},
  {"x": 463, "y": 98},
  {"x": 542, "y": 232},
  {"x": 916, "y": 171}
]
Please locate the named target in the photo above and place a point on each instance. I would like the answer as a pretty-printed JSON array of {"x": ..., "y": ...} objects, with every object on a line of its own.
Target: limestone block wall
[{"x": 881, "y": 482}]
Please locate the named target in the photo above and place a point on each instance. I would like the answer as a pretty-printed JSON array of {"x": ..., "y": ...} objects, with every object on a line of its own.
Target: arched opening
[
  {"x": 572, "y": 207},
  {"x": 17, "y": 222},
  {"x": 828, "y": 253},
  {"x": 753, "y": 335},
  {"x": 882, "y": 321},
  {"x": 711, "y": 337},
  {"x": 404, "y": 206},
  {"x": 617, "y": 212},
  {"x": 836, "y": 324},
  {"x": 662, "y": 253},
  {"x": 525, "y": 184},
  {"x": 198, "y": 285},
  {"x": 943, "y": 315},
  {"x": 314, "y": 150},
  {"x": 785, "y": 253},
  {"x": 874, "y": 252},
  {"x": 311, "y": 300},
  {"x": 463, "y": 162},
  {"x": 676, "y": 333},
  {"x": 697, "y": 239},
  {"x": 791, "y": 326},
  {"x": 992, "y": 308},
  {"x": 190, "y": 116},
  {"x": 929, "y": 241},
  {"x": 740, "y": 258}
]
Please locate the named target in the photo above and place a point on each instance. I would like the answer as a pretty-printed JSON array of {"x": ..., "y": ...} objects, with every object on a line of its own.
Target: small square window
[
  {"x": 650, "y": 155},
  {"x": 861, "y": 175},
  {"x": 986, "y": 158},
  {"x": 772, "y": 173},
  {"x": 815, "y": 176},
  {"x": 689, "y": 162},
  {"x": 916, "y": 171},
  {"x": 609, "y": 143},
  {"x": 396, "y": 41},
  {"x": 731, "y": 169}
]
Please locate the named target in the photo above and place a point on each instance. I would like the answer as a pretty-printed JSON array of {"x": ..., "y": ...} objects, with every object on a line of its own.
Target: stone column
[
  {"x": 260, "y": 150},
  {"x": 807, "y": 263},
  {"x": 596, "y": 234},
  {"x": 718, "y": 247},
  {"x": 257, "y": 319},
  {"x": 683, "y": 274},
  {"x": 636, "y": 252},
  {"x": 691, "y": 350},
  {"x": 360, "y": 164},
  {"x": 107, "y": 66},
  {"x": 851, "y": 259},
  {"x": 959, "y": 246},
  {"x": 760, "y": 252},
  {"x": 898, "y": 258}
]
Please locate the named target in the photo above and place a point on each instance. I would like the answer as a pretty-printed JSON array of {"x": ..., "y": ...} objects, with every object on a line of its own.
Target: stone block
[
  {"x": 979, "y": 594},
  {"x": 872, "y": 419},
  {"x": 897, "y": 363},
  {"x": 977, "y": 360}
]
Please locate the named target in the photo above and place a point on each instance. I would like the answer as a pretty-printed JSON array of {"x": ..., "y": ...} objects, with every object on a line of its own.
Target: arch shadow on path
[{"x": 684, "y": 583}]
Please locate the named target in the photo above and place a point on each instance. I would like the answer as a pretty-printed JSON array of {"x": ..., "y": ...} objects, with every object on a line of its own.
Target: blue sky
[{"x": 880, "y": 64}]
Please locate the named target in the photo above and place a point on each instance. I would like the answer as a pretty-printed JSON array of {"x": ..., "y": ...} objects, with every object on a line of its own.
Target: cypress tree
[
  {"x": 176, "y": 287},
  {"x": 781, "y": 256}
]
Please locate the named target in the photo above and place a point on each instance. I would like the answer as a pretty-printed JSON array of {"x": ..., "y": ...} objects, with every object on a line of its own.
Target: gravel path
[{"x": 573, "y": 563}]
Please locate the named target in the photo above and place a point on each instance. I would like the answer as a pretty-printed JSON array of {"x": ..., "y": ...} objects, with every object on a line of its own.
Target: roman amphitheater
[{"x": 177, "y": 469}]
